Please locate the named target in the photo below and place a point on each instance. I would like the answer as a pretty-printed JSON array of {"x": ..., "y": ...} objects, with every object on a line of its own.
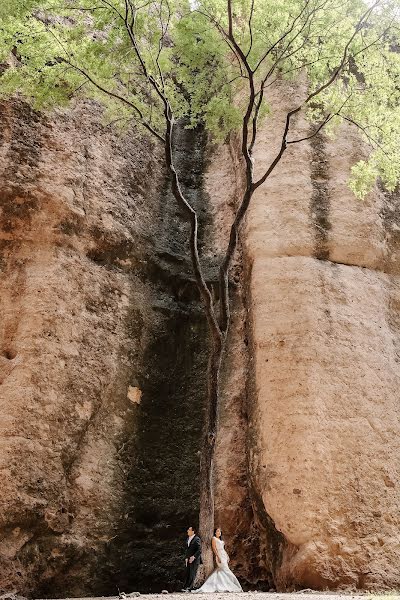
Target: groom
[{"x": 193, "y": 558}]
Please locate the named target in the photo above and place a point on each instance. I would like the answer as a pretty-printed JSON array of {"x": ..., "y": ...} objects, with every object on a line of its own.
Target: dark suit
[{"x": 194, "y": 549}]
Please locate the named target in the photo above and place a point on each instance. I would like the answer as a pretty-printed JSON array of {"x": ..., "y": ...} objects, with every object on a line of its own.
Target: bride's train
[{"x": 221, "y": 579}]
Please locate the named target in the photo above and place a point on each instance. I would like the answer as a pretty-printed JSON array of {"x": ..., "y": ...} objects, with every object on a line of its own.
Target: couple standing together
[{"x": 221, "y": 579}]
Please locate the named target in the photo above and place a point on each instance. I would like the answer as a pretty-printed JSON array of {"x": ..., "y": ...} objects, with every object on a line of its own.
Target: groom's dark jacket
[{"x": 194, "y": 549}]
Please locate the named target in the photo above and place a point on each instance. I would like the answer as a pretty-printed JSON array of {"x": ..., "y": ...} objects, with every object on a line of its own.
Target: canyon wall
[
  {"x": 323, "y": 321},
  {"x": 102, "y": 359},
  {"x": 104, "y": 352}
]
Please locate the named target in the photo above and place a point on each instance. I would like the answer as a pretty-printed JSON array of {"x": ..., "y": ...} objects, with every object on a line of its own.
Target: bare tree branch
[
  {"x": 175, "y": 184},
  {"x": 247, "y": 150},
  {"x": 338, "y": 69},
  {"x": 250, "y": 28},
  {"x": 191, "y": 213},
  {"x": 224, "y": 36},
  {"x": 372, "y": 141},
  {"x": 125, "y": 101},
  {"x": 320, "y": 126},
  {"x": 283, "y": 36},
  {"x": 110, "y": 5}
]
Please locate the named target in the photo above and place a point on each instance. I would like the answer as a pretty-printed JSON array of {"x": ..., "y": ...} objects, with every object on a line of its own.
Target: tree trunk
[
  {"x": 206, "y": 517},
  {"x": 217, "y": 345}
]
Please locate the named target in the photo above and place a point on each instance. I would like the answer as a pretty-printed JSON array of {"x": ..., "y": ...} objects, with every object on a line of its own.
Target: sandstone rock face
[
  {"x": 234, "y": 512},
  {"x": 324, "y": 330},
  {"x": 94, "y": 304},
  {"x": 103, "y": 361}
]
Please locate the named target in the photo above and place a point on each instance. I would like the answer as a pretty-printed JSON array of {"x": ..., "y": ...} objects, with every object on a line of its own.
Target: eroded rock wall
[
  {"x": 322, "y": 397},
  {"x": 103, "y": 360},
  {"x": 234, "y": 512},
  {"x": 96, "y": 406}
]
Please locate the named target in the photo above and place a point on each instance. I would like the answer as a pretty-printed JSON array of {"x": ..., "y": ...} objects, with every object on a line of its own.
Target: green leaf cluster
[{"x": 59, "y": 50}]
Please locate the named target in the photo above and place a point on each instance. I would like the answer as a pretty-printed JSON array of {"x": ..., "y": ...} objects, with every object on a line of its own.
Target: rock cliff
[
  {"x": 322, "y": 295},
  {"x": 103, "y": 360}
]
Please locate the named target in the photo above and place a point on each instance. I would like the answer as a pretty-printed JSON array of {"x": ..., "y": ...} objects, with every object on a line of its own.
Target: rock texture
[
  {"x": 103, "y": 360},
  {"x": 95, "y": 305},
  {"x": 233, "y": 507},
  {"x": 323, "y": 322}
]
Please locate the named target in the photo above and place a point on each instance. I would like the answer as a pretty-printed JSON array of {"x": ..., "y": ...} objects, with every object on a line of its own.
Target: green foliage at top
[{"x": 62, "y": 49}]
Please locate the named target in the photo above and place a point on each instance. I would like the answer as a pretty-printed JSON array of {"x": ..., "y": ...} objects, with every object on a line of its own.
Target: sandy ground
[
  {"x": 264, "y": 596},
  {"x": 276, "y": 596}
]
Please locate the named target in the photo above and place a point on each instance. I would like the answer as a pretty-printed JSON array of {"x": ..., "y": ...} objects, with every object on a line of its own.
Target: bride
[{"x": 221, "y": 579}]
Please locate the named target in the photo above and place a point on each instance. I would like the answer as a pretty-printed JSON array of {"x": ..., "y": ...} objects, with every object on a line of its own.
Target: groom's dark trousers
[{"x": 194, "y": 549}]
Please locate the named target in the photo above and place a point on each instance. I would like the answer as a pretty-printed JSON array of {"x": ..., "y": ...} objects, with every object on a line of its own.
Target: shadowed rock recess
[{"x": 102, "y": 358}]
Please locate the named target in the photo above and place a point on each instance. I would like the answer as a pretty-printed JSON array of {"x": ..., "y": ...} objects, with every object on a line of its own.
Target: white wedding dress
[{"x": 221, "y": 579}]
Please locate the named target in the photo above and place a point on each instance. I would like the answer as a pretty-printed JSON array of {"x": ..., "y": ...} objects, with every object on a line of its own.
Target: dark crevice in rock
[
  {"x": 161, "y": 458},
  {"x": 320, "y": 199},
  {"x": 390, "y": 215},
  {"x": 163, "y": 480},
  {"x": 266, "y": 545},
  {"x": 269, "y": 544},
  {"x": 274, "y": 541},
  {"x": 331, "y": 262}
]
